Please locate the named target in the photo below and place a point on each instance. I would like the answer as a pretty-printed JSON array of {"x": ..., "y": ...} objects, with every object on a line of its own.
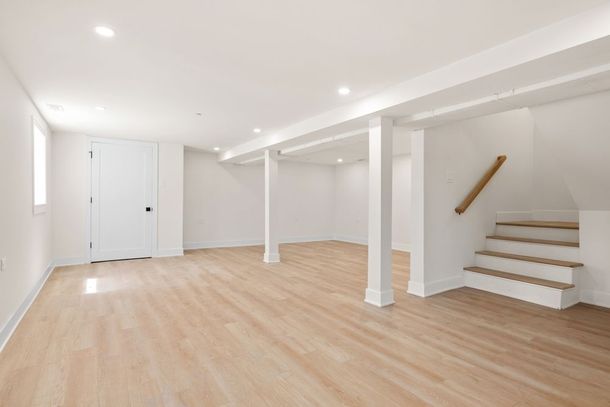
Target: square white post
[
  {"x": 416, "y": 273},
  {"x": 272, "y": 253},
  {"x": 379, "y": 291}
]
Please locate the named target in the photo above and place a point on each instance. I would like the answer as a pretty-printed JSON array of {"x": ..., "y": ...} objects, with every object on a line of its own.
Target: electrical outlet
[{"x": 2, "y": 264}]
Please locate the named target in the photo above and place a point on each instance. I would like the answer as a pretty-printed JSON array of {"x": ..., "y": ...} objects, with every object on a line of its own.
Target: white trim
[
  {"x": 155, "y": 186},
  {"x": 214, "y": 244},
  {"x": 379, "y": 298},
  {"x": 35, "y": 123},
  {"x": 169, "y": 252},
  {"x": 7, "y": 331},
  {"x": 70, "y": 261},
  {"x": 593, "y": 297},
  {"x": 435, "y": 287},
  {"x": 401, "y": 247},
  {"x": 271, "y": 257}
]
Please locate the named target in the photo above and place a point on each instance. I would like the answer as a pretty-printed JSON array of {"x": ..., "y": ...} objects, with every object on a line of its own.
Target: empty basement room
[{"x": 315, "y": 203}]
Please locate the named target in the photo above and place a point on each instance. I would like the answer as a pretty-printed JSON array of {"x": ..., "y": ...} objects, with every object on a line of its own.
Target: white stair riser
[
  {"x": 527, "y": 268},
  {"x": 534, "y": 249},
  {"x": 549, "y": 297},
  {"x": 568, "y": 235}
]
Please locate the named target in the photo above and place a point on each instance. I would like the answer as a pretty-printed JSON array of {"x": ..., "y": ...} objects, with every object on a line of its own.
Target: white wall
[
  {"x": 224, "y": 203},
  {"x": 351, "y": 202},
  {"x": 71, "y": 198},
  {"x": 170, "y": 205},
  {"x": 464, "y": 151},
  {"x": 576, "y": 132},
  {"x": 25, "y": 238}
]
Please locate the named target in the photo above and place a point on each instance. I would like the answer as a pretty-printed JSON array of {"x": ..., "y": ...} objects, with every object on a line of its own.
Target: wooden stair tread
[
  {"x": 542, "y": 224},
  {"x": 519, "y": 277},
  {"x": 553, "y": 262},
  {"x": 539, "y": 241}
]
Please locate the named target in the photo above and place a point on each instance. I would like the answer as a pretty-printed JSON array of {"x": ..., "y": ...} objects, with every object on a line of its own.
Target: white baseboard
[
  {"x": 271, "y": 257},
  {"x": 8, "y": 330},
  {"x": 169, "y": 252},
  {"x": 70, "y": 261},
  {"x": 593, "y": 297},
  {"x": 379, "y": 298},
  {"x": 435, "y": 287},
  {"x": 351, "y": 239},
  {"x": 401, "y": 247},
  {"x": 251, "y": 242}
]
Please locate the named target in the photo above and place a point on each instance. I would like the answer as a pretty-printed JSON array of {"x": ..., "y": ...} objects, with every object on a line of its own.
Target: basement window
[{"x": 39, "y": 142}]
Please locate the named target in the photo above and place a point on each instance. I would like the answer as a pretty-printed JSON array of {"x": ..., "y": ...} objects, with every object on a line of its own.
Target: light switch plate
[{"x": 2, "y": 264}]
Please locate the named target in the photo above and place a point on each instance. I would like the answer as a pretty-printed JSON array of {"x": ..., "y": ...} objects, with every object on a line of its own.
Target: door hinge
[
  {"x": 91, "y": 245},
  {"x": 91, "y": 200},
  {"x": 91, "y": 154}
]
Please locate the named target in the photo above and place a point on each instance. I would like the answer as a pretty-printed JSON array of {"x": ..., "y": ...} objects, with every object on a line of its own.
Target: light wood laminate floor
[{"x": 219, "y": 327}]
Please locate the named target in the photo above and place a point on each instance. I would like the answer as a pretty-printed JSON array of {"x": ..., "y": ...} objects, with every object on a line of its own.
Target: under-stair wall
[{"x": 452, "y": 159}]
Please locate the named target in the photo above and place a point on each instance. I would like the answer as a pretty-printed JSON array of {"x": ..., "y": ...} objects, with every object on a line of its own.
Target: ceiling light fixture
[
  {"x": 344, "y": 91},
  {"x": 257, "y": 130},
  {"x": 216, "y": 148},
  {"x": 199, "y": 114},
  {"x": 100, "y": 108},
  {"x": 339, "y": 160},
  {"x": 104, "y": 31}
]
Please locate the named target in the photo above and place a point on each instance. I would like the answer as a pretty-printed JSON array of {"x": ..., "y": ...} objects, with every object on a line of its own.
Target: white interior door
[{"x": 121, "y": 200}]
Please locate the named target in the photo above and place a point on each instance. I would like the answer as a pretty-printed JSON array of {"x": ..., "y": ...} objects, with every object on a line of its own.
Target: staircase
[{"x": 531, "y": 260}]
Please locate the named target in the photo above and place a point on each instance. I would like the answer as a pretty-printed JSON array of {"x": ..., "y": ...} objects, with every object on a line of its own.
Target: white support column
[
  {"x": 379, "y": 291},
  {"x": 416, "y": 273},
  {"x": 272, "y": 252}
]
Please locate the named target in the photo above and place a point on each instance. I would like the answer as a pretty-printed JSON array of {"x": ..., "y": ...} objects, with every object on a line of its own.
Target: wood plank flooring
[{"x": 219, "y": 327}]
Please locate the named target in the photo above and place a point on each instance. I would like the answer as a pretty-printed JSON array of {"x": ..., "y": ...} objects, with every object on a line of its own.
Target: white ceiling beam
[
  {"x": 546, "y": 42},
  {"x": 509, "y": 100},
  {"x": 316, "y": 144}
]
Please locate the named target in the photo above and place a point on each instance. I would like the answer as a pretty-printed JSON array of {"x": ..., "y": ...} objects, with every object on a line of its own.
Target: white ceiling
[{"x": 243, "y": 64}]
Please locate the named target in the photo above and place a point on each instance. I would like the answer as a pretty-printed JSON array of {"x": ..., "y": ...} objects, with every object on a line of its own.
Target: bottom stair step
[
  {"x": 519, "y": 277},
  {"x": 549, "y": 293}
]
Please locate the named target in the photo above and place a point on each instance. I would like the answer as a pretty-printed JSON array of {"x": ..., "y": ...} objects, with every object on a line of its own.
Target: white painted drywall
[
  {"x": 454, "y": 158},
  {"x": 170, "y": 218},
  {"x": 25, "y": 238},
  {"x": 70, "y": 198},
  {"x": 576, "y": 132},
  {"x": 351, "y": 202},
  {"x": 224, "y": 203},
  {"x": 594, "y": 278}
]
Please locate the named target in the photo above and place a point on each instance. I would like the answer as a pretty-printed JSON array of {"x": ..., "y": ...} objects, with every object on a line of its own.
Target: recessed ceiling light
[
  {"x": 100, "y": 108},
  {"x": 256, "y": 130},
  {"x": 344, "y": 91},
  {"x": 339, "y": 160},
  {"x": 216, "y": 148},
  {"x": 104, "y": 31},
  {"x": 57, "y": 108}
]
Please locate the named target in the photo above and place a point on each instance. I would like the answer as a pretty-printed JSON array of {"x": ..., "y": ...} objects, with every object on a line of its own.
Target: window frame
[{"x": 39, "y": 208}]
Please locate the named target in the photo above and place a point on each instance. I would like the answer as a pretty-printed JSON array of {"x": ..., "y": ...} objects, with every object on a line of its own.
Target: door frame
[{"x": 155, "y": 184}]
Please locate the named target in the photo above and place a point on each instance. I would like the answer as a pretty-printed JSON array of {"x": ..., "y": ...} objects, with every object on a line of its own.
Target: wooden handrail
[{"x": 480, "y": 185}]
